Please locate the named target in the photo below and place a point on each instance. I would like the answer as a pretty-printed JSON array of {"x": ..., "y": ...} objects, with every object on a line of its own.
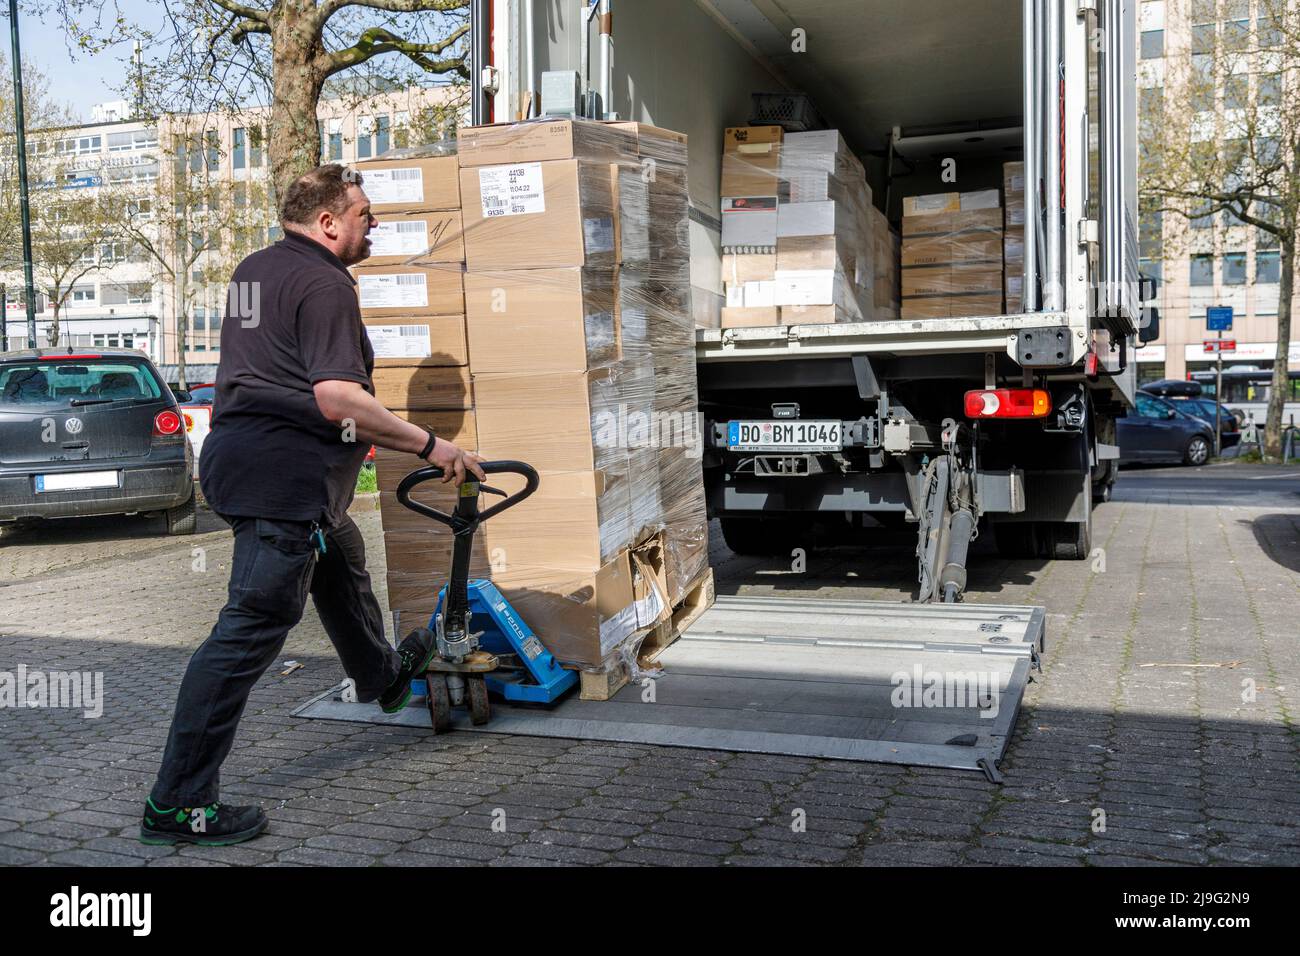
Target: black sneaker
[
  {"x": 416, "y": 650},
  {"x": 217, "y": 824}
]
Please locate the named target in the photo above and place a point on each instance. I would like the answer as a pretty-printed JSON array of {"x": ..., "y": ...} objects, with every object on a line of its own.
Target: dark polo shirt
[{"x": 292, "y": 319}]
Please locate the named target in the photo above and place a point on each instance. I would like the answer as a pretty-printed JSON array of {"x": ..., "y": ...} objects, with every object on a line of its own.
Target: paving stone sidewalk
[{"x": 1166, "y": 711}]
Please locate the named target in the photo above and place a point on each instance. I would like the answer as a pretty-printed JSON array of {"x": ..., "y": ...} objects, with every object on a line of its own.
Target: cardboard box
[
  {"x": 1013, "y": 246},
  {"x": 749, "y": 267},
  {"x": 801, "y": 253},
  {"x": 539, "y": 215},
  {"x": 751, "y": 295},
  {"x": 980, "y": 199},
  {"x": 545, "y": 320},
  {"x": 926, "y": 307},
  {"x": 742, "y": 318},
  {"x": 580, "y": 617},
  {"x": 948, "y": 279},
  {"x": 751, "y": 161},
  {"x": 423, "y": 389},
  {"x": 749, "y": 222},
  {"x": 550, "y": 419},
  {"x": 539, "y": 141},
  {"x": 952, "y": 306},
  {"x": 975, "y": 220},
  {"x": 814, "y": 314},
  {"x": 951, "y": 247},
  {"x": 416, "y": 237},
  {"x": 929, "y": 205},
  {"x": 456, "y": 427},
  {"x": 424, "y": 340},
  {"x": 1013, "y": 188},
  {"x": 408, "y": 185},
  {"x": 812, "y": 219},
  {"x": 402, "y": 292}
]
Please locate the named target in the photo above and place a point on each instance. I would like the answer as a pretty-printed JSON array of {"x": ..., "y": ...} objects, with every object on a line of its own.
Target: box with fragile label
[
  {"x": 416, "y": 237},
  {"x": 545, "y": 320},
  {"x": 539, "y": 215},
  {"x": 543, "y": 140},
  {"x": 406, "y": 185},
  {"x": 424, "y": 340},
  {"x": 403, "y": 291}
]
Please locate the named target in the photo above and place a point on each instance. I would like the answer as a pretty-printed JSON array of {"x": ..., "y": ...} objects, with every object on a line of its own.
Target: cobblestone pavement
[{"x": 1168, "y": 704}]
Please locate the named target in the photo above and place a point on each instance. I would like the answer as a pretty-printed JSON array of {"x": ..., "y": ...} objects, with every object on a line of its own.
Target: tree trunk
[
  {"x": 1281, "y": 388},
  {"x": 182, "y": 323},
  {"x": 52, "y": 333},
  {"x": 297, "y": 80}
]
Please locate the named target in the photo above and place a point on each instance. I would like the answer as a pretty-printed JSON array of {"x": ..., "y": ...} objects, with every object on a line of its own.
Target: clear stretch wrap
[
  {"x": 799, "y": 247},
  {"x": 575, "y": 283},
  {"x": 952, "y": 255}
]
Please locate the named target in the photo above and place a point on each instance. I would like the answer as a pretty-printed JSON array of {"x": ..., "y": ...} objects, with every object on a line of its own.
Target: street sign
[
  {"x": 1218, "y": 318},
  {"x": 1219, "y": 345}
]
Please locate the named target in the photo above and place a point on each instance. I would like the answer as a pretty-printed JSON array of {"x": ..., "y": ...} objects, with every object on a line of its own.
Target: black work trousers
[{"x": 274, "y": 568}]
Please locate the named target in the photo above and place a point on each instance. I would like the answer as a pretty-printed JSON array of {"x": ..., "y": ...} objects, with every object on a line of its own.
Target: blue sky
[{"x": 77, "y": 79}]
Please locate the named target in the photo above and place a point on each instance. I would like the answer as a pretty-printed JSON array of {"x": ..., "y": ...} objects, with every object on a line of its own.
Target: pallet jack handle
[{"x": 459, "y": 523}]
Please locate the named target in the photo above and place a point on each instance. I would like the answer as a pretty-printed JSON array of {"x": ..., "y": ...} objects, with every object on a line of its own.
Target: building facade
[
  {"x": 201, "y": 187},
  {"x": 1211, "y": 260}
]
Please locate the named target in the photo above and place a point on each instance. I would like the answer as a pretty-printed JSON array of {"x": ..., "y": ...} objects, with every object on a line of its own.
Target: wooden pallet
[{"x": 613, "y": 675}]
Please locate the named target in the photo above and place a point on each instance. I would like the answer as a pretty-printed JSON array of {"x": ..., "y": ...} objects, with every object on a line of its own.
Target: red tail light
[
  {"x": 1008, "y": 403},
  {"x": 166, "y": 423}
]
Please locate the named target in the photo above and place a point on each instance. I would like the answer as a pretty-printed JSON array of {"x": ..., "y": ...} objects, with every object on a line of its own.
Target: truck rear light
[
  {"x": 1008, "y": 403},
  {"x": 166, "y": 423}
]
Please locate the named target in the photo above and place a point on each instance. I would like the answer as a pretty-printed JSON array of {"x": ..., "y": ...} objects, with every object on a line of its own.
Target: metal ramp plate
[{"x": 921, "y": 684}]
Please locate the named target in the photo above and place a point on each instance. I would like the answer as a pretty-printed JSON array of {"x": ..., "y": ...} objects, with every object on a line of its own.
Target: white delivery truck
[
  {"x": 917, "y": 89},
  {"x": 918, "y": 421}
]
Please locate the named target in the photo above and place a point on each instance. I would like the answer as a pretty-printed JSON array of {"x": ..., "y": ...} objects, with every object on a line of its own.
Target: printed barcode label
[
  {"x": 389, "y": 186},
  {"x": 400, "y": 341},
  {"x": 393, "y": 291},
  {"x": 511, "y": 190},
  {"x": 406, "y": 238}
]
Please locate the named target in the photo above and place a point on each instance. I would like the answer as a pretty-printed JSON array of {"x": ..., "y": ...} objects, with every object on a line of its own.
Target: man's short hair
[{"x": 325, "y": 187}]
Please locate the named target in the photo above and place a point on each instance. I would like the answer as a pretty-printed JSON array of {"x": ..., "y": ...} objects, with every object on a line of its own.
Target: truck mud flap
[{"x": 919, "y": 684}]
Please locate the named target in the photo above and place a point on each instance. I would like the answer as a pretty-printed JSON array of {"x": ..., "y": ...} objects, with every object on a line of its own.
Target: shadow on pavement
[{"x": 1278, "y": 536}]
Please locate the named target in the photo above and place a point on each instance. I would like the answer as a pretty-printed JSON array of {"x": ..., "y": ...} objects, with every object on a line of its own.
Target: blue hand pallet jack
[{"x": 483, "y": 645}]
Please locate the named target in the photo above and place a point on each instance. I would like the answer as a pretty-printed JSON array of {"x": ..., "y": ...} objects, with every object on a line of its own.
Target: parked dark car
[
  {"x": 91, "y": 434},
  {"x": 1156, "y": 431},
  {"x": 1203, "y": 408}
]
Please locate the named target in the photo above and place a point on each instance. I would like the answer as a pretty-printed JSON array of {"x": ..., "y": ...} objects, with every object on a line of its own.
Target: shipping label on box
[
  {"x": 511, "y": 190},
  {"x": 400, "y": 341},
  {"x": 394, "y": 291},
  {"x": 403, "y": 185},
  {"x": 429, "y": 340},
  {"x": 399, "y": 238},
  {"x": 403, "y": 291}
]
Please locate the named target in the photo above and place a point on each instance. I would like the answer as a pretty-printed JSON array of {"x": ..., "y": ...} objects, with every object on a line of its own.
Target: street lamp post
[{"x": 20, "y": 128}]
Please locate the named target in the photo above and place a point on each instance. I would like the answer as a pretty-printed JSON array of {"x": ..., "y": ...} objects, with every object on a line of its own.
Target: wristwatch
[{"x": 428, "y": 447}]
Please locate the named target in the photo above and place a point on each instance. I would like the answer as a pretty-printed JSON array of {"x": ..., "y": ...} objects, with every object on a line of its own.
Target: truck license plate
[{"x": 795, "y": 435}]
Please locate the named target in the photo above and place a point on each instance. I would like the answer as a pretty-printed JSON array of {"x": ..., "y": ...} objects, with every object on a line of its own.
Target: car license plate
[
  {"x": 76, "y": 481},
  {"x": 793, "y": 435}
]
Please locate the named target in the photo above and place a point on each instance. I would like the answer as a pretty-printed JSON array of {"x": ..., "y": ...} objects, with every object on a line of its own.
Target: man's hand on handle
[{"x": 454, "y": 462}]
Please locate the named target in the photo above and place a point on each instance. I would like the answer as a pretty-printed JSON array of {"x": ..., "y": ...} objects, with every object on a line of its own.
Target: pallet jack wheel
[
  {"x": 480, "y": 707},
  {"x": 439, "y": 702}
]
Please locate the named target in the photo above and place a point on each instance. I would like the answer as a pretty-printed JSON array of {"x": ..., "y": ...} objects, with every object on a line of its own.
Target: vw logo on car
[{"x": 73, "y": 425}]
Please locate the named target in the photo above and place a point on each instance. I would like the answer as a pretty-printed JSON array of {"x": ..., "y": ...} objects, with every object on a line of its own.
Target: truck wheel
[
  {"x": 1198, "y": 451},
  {"x": 761, "y": 537},
  {"x": 183, "y": 519},
  {"x": 1072, "y": 540}
]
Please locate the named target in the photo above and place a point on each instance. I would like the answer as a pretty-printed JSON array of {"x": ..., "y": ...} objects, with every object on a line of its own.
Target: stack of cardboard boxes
[
  {"x": 952, "y": 255},
  {"x": 798, "y": 241},
  {"x": 1013, "y": 243},
  {"x": 579, "y": 339}
]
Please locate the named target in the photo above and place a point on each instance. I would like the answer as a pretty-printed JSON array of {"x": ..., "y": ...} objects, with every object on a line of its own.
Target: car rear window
[
  {"x": 203, "y": 395},
  {"x": 71, "y": 382}
]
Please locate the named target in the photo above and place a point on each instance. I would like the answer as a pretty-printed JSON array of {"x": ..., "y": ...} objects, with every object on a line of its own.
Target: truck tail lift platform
[{"x": 934, "y": 685}]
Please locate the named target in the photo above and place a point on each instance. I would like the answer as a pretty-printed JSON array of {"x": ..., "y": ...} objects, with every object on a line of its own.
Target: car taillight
[
  {"x": 1008, "y": 403},
  {"x": 166, "y": 423}
]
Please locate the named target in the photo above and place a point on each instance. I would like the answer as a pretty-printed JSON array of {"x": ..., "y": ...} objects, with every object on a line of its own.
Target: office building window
[
  {"x": 1268, "y": 267},
  {"x": 1236, "y": 91},
  {"x": 334, "y": 141},
  {"x": 1153, "y": 44},
  {"x": 239, "y": 146},
  {"x": 1202, "y": 270},
  {"x": 381, "y": 134},
  {"x": 199, "y": 322},
  {"x": 1270, "y": 89},
  {"x": 1202, "y": 217},
  {"x": 1205, "y": 11},
  {"x": 365, "y": 126},
  {"x": 256, "y": 147},
  {"x": 1203, "y": 38},
  {"x": 401, "y": 129},
  {"x": 1234, "y": 268},
  {"x": 82, "y": 294}
]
